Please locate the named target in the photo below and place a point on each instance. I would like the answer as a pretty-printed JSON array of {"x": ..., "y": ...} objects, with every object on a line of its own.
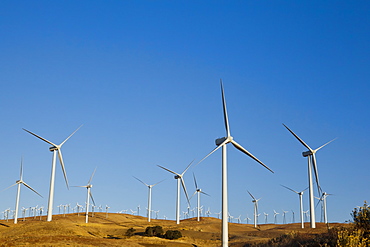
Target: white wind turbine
[
  {"x": 255, "y": 202},
  {"x": 149, "y": 196},
  {"x": 284, "y": 217},
  {"x": 300, "y": 194},
  {"x": 54, "y": 148},
  {"x": 89, "y": 195},
  {"x": 323, "y": 200},
  {"x": 310, "y": 154},
  {"x": 198, "y": 191},
  {"x": 275, "y": 214},
  {"x": 221, "y": 142},
  {"x": 265, "y": 217},
  {"x": 19, "y": 182},
  {"x": 180, "y": 180}
]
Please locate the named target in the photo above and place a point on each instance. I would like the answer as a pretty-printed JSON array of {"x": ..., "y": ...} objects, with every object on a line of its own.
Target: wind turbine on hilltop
[
  {"x": 300, "y": 202},
  {"x": 255, "y": 202},
  {"x": 310, "y": 154},
  {"x": 323, "y": 200},
  {"x": 180, "y": 180},
  {"x": 19, "y": 182},
  {"x": 275, "y": 214},
  {"x": 89, "y": 195},
  {"x": 198, "y": 191},
  {"x": 149, "y": 196},
  {"x": 221, "y": 142},
  {"x": 54, "y": 148}
]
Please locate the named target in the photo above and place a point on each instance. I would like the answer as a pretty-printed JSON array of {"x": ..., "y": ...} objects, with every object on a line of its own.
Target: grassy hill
[{"x": 70, "y": 230}]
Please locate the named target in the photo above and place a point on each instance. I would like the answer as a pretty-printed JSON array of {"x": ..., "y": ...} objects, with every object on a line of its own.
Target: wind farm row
[{"x": 226, "y": 217}]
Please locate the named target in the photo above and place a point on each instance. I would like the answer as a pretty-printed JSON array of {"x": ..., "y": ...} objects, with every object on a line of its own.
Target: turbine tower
[
  {"x": 89, "y": 195},
  {"x": 255, "y": 202},
  {"x": 198, "y": 191},
  {"x": 221, "y": 142},
  {"x": 19, "y": 182},
  {"x": 54, "y": 148},
  {"x": 149, "y": 196},
  {"x": 180, "y": 180},
  {"x": 310, "y": 154},
  {"x": 300, "y": 203}
]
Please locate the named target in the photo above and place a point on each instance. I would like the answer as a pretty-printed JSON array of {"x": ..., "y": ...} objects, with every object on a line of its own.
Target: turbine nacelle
[
  {"x": 219, "y": 141},
  {"x": 177, "y": 177},
  {"x": 307, "y": 153},
  {"x": 52, "y": 149}
]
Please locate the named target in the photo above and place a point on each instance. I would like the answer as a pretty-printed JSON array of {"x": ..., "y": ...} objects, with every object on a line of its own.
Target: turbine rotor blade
[
  {"x": 214, "y": 150},
  {"x": 195, "y": 181},
  {"x": 158, "y": 182},
  {"x": 141, "y": 181},
  {"x": 251, "y": 195},
  {"x": 24, "y": 183},
  {"x": 226, "y": 119},
  {"x": 205, "y": 193},
  {"x": 169, "y": 170},
  {"x": 70, "y": 136},
  {"x": 184, "y": 187},
  {"x": 41, "y": 138},
  {"x": 316, "y": 173},
  {"x": 92, "y": 175},
  {"x": 187, "y": 168},
  {"x": 324, "y": 145},
  {"x": 238, "y": 146},
  {"x": 62, "y": 165},
  {"x": 21, "y": 172},
  {"x": 92, "y": 199},
  {"x": 9, "y": 187},
  {"x": 299, "y": 139},
  {"x": 289, "y": 189}
]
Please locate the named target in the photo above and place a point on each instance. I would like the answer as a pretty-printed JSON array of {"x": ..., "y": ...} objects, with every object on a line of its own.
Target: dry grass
[{"x": 101, "y": 231}]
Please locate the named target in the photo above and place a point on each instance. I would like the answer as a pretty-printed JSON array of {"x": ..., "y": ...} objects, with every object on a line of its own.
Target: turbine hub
[{"x": 307, "y": 153}]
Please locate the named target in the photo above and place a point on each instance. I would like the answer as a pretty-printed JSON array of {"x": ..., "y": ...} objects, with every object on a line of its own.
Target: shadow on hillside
[{"x": 4, "y": 225}]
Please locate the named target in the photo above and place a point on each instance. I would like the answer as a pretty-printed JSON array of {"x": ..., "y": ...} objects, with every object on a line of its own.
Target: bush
[
  {"x": 172, "y": 234},
  {"x": 154, "y": 231},
  {"x": 361, "y": 218},
  {"x": 130, "y": 232}
]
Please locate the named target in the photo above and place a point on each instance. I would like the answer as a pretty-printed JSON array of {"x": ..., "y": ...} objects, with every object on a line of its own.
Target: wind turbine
[
  {"x": 54, "y": 148},
  {"x": 197, "y": 191},
  {"x": 275, "y": 214},
  {"x": 265, "y": 217},
  {"x": 89, "y": 195},
  {"x": 255, "y": 202},
  {"x": 323, "y": 199},
  {"x": 180, "y": 179},
  {"x": 284, "y": 218},
  {"x": 310, "y": 154},
  {"x": 149, "y": 196},
  {"x": 221, "y": 142},
  {"x": 19, "y": 182},
  {"x": 300, "y": 202}
]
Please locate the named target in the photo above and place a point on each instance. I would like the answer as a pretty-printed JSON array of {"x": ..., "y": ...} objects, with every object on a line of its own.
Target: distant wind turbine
[
  {"x": 198, "y": 191},
  {"x": 221, "y": 142},
  {"x": 255, "y": 202},
  {"x": 300, "y": 203},
  {"x": 149, "y": 196},
  {"x": 19, "y": 182},
  {"x": 284, "y": 217},
  {"x": 180, "y": 180},
  {"x": 89, "y": 195},
  {"x": 310, "y": 154},
  {"x": 275, "y": 214},
  {"x": 54, "y": 148}
]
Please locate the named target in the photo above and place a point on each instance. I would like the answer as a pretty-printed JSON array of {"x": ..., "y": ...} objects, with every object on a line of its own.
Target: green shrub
[
  {"x": 130, "y": 232},
  {"x": 154, "y": 231},
  {"x": 172, "y": 234}
]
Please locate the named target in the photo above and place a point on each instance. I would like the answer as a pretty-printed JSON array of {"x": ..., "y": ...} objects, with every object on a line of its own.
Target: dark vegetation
[
  {"x": 157, "y": 231},
  {"x": 355, "y": 235}
]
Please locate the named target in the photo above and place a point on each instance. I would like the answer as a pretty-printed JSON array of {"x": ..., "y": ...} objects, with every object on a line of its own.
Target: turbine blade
[
  {"x": 92, "y": 199},
  {"x": 169, "y": 170},
  {"x": 9, "y": 187},
  {"x": 92, "y": 175},
  {"x": 205, "y": 193},
  {"x": 316, "y": 173},
  {"x": 299, "y": 139},
  {"x": 82, "y": 186},
  {"x": 62, "y": 165},
  {"x": 317, "y": 149},
  {"x": 289, "y": 189},
  {"x": 238, "y": 146},
  {"x": 158, "y": 182},
  {"x": 141, "y": 181},
  {"x": 24, "y": 183},
  {"x": 41, "y": 138},
  {"x": 187, "y": 168},
  {"x": 70, "y": 136},
  {"x": 21, "y": 172},
  {"x": 193, "y": 195},
  {"x": 214, "y": 150},
  {"x": 184, "y": 187},
  {"x": 251, "y": 195},
  {"x": 195, "y": 181},
  {"x": 226, "y": 119}
]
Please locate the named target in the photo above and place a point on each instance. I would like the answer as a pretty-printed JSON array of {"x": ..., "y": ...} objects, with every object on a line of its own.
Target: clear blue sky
[{"x": 143, "y": 78}]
